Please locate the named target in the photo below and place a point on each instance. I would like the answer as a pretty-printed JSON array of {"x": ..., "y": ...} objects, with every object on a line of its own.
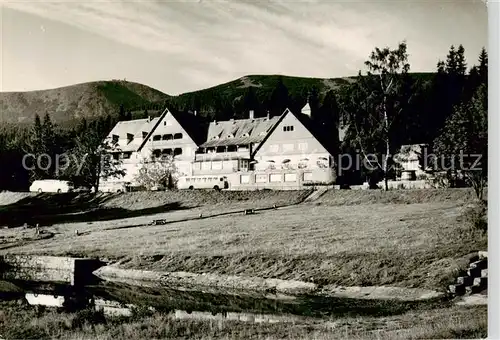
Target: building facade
[{"x": 284, "y": 152}]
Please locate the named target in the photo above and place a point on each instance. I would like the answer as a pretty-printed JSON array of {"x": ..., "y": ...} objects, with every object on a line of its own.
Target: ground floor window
[
  {"x": 245, "y": 179},
  {"x": 308, "y": 176},
  {"x": 261, "y": 178},
  {"x": 290, "y": 177},
  {"x": 275, "y": 178},
  {"x": 216, "y": 165}
]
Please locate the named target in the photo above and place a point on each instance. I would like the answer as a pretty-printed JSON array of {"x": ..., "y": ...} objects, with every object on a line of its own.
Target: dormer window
[
  {"x": 115, "y": 138},
  {"x": 216, "y": 137},
  {"x": 245, "y": 135},
  {"x": 230, "y": 136},
  {"x": 130, "y": 137}
]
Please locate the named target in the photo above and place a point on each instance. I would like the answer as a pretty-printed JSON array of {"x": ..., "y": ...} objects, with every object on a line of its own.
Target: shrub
[
  {"x": 476, "y": 217},
  {"x": 88, "y": 316}
]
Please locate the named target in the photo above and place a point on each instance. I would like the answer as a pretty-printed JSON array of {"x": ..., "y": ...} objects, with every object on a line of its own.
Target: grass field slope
[{"x": 416, "y": 238}]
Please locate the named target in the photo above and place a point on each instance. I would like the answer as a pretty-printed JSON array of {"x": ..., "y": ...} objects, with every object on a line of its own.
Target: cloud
[{"x": 214, "y": 41}]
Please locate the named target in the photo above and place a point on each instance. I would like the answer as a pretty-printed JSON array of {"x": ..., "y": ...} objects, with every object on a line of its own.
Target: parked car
[
  {"x": 113, "y": 186},
  {"x": 82, "y": 189},
  {"x": 52, "y": 185}
]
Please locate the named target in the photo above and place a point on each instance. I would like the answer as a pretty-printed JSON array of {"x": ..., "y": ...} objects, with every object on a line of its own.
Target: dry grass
[
  {"x": 360, "y": 197},
  {"x": 9, "y": 197},
  {"x": 198, "y": 198},
  {"x": 440, "y": 323},
  {"x": 416, "y": 245}
]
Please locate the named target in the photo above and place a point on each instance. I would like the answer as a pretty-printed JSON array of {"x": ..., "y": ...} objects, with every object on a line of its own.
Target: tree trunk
[
  {"x": 97, "y": 176},
  {"x": 387, "y": 145}
]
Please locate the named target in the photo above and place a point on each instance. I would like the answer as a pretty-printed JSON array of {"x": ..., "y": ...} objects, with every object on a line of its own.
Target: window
[
  {"x": 177, "y": 151},
  {"x": 260, "y": 178},
  {"x": 167, "y": 137},
  {"x": 275, "y": 178},
  {"x": 167, "y": 123},
  {"x": 274, "y": 148},
  {"x": 144, "y": 135},
  {"x": 287, "y": 147},
  {"x": 156, "y": 137},
  {"x": 156, "y": 153},
  {"x": 115, "y": 138},
  {"x": 178, "y": 136},
  {"x": 116, "y": 156},
  {"x": 220, "y": 149},
  {"x": 232, "y": 148},
  {"x": 288, "y": 128},
  {"x": 126, "y": 155},
  {"x": 290, "y": 177},
  {"x": 205, "y": 165},
  {"x": 308, "y": 176},
  {"x": 244, "y": 179},
  {"x": 217, "y": 165},
  {"x": 130, "y": 137},
  {"x": 302, "y": 146},
  {"x": 243, "y": 164}
]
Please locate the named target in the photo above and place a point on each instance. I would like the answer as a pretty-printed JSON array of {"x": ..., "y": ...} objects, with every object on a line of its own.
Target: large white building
[
  {"x": 145, "y": 140},
  {"x": 258, "y": 152}
]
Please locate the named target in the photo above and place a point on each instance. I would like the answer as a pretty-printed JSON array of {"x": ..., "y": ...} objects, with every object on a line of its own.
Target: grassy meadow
[{"x": 346, "y": 237}]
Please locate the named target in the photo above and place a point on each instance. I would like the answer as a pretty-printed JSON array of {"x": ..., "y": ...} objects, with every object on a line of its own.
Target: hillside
[
  {"x": 65, "y": 104},
  {"x": 99, "y": 98},
  {"x": 213, "y": 101}
]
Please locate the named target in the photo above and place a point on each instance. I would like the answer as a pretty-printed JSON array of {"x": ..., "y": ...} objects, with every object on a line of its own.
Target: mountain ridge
[{"x": 68, "y": 104}]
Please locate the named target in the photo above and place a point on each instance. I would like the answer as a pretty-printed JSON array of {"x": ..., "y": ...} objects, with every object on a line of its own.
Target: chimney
[
  {"x": 267, "y": 115},
  {"x": 251, "y": 114},
  {"x": 195, "y": 113}
]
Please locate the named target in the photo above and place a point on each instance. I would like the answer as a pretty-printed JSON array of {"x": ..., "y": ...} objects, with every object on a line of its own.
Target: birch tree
[
  {"x": 374, "y": 105},
  {"x": 157, "y": 172}
]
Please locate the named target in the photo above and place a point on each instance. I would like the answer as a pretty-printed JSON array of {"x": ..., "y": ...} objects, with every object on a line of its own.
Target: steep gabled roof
[
  {"x": 122, "y": 128},
  {"x": 195, "y": 126},
  {"x": 189, "y": 123},
  {"x": 238, "y": 132},
  {"x": 322, "y": 136}
]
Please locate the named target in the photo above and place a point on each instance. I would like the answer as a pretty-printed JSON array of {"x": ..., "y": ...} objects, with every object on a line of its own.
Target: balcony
[{"x": 216, "y": 156}]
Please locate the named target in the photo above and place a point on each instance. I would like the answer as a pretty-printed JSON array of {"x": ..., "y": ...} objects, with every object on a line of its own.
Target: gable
[
  {"x": 290, "y": 135},
  {"x": 167, "y": 128}
]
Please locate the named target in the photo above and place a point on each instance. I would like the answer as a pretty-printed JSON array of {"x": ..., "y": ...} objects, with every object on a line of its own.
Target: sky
[{"x": 181, "y": 46}]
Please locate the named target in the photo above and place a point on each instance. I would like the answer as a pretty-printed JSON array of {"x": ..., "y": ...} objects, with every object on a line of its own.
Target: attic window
[
  {"x": 156, "y": 137},
  {"x": 178, "y": 136}
]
